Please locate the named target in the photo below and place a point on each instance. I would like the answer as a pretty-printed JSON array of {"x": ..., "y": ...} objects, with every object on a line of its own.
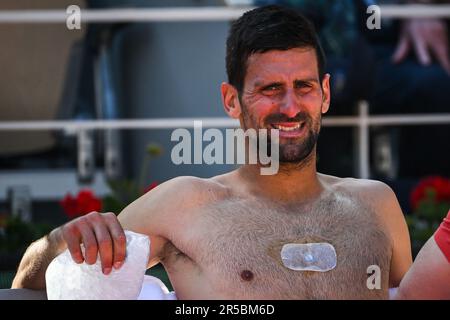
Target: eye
[
  {"x": 303, "y": 87},
  {"x": 271, "y": 89}
]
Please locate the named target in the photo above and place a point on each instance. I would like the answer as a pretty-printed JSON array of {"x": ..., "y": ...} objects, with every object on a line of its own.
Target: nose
[{"x": 291, "y": 104}]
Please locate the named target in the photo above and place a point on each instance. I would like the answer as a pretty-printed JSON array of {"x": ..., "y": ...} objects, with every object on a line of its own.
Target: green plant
[{"x": 16, "y": 235}]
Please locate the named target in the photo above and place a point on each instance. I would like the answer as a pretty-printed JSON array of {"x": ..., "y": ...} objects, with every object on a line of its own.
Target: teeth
[{"x": 287, "y": 128}]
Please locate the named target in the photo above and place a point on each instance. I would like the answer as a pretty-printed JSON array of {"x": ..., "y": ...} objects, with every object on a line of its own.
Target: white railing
[
  {"x": 415, "y": 11},
  {"x": 51, "y": 184},
  {"x": 181, "y": 14},
  {"x": 126, "y": 15},
  {"x": 218, "y": 122}
]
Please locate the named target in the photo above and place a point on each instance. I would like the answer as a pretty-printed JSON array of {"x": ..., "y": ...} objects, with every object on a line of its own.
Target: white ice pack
[{"x": 67, "y": 280}]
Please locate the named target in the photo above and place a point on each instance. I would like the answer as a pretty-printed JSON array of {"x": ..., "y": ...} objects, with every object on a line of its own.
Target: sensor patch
[{"x": 320, "y": 257}]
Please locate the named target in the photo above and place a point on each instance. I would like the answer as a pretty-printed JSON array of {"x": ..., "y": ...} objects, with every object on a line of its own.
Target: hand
[
  {"x": 98, "y": 232},
  {"x": 426, "y": 36}
]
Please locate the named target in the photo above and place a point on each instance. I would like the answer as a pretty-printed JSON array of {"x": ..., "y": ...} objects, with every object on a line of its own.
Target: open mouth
[
  {"x": 289, "y": 129},
  {"x": 290, "y": 126}
]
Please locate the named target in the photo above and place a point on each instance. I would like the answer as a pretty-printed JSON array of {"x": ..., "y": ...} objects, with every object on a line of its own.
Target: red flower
[
  {"x": 151, "y": 186},
  {"x": 84, "y": 203},
  {"x": 87, "y": 202},
  {"x": 69, "y": 205},
  {"x": 439, "y": 185}
]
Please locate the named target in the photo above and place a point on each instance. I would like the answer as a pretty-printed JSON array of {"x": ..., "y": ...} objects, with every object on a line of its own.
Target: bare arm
[
  {"x": 103, "y": 233},
  {"x": 429, "y": 276},
  {"x": 31, "y": 272},
  {"x": 388, "y": 209},
  {"x": 401, "y": 246},
  {"x": 100, "y": 233}
]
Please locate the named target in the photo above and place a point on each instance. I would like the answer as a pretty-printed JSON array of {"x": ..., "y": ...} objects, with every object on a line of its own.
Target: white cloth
[
  {"x": 154, "y": 289},
  {"x": 392, "y": 293}
]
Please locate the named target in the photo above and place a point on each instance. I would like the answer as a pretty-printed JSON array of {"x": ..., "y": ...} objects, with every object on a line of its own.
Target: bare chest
[{"x": 238, "y": 244}]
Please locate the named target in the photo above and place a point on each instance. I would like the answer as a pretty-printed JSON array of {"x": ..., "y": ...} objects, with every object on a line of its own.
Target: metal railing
[{"x": 183, "y": 14}]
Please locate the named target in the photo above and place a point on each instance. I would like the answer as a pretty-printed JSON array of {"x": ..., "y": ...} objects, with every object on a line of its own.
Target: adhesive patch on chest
[{"x": 320, "y": 257}]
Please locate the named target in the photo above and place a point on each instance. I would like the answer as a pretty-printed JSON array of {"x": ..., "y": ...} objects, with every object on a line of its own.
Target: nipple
[{"x": 247, "y": 275}]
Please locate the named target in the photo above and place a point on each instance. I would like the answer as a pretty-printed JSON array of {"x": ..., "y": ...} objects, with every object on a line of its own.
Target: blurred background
[{"x": 121, "y": 70}]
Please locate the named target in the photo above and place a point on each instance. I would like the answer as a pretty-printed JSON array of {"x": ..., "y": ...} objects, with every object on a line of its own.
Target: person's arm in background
[
  {"x": 427, "y": 37},
  {"x": 429, "y": 276}
]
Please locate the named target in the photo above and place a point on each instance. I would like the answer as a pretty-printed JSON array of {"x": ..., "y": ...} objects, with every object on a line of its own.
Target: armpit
[{"x": 171, "y": 254}]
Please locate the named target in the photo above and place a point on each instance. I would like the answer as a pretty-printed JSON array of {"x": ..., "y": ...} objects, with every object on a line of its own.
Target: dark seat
[{"x": 22, "y": 294}]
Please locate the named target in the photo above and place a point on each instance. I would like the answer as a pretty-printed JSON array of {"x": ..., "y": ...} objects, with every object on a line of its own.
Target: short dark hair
[{"x": 268, "y": 28}]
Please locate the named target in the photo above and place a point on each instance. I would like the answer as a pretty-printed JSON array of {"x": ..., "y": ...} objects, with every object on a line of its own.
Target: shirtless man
[{"x": 220, "y": 238}]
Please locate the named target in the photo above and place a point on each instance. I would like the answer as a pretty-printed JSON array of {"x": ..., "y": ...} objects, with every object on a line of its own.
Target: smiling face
[{"x": 282, "y": 90}]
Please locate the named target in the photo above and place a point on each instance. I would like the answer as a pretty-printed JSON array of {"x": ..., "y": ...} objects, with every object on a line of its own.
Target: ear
[
  {"x": 326, "y": 94},
  {"x": 230, "y": 100}
]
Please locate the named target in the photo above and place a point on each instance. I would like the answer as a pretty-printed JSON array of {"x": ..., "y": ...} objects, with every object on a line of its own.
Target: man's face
[{"x": 282, "y": 90}]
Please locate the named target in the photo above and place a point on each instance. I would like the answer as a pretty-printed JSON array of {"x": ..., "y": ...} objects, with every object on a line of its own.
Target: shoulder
[
  {"x": 372, "y": 191},
  {"x": 174, "y": 201},
  {"x": 194, "y": 188},
  {"x": 376, "y": 194},
  {"x": 379, "y": 196},
  {"x": 184, "y": 192}
]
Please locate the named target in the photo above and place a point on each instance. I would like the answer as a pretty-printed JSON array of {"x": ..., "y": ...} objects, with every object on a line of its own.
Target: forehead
[{"x": 292, "y": 64}]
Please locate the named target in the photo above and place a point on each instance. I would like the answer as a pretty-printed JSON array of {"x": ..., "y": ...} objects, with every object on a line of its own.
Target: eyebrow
[
  {"x": 262, "y": 83},
  {"x": 268, "y": 84},
  {"x": 309, "y": 80}
]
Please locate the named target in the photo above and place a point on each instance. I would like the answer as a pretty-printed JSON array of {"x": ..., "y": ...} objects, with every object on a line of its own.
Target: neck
[{"x": 293, "y": 182}]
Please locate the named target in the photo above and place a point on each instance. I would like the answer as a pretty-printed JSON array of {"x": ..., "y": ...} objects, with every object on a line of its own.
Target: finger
[
  {"x": 89, "y": 242},
  {"x": 72, "y": 237},
  {"x": 104, "y": 243},
  {"x": 402, "y": 50},
  {"x": 119, "y": 239},
  {"x": 421, "y": 51},
  {"x": 441, "y": 52}
]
